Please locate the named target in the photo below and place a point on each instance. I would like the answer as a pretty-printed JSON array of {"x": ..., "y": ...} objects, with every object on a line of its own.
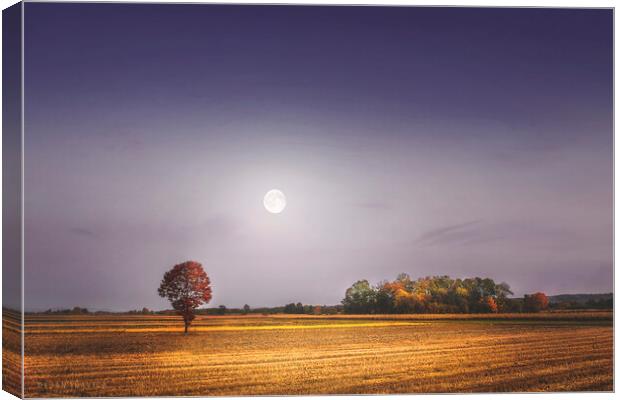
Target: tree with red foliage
[
  {"x": 535, "y": 302},
  {"x": 187, "y": 287},
  {"x": 491, "y": 304}
]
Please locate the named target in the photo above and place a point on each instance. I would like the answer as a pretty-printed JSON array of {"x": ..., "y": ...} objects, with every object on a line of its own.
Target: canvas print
[{"x": 230, "y": 200}]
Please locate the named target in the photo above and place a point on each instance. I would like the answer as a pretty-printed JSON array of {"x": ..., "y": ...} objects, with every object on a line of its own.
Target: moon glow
[{"x": 274, "y": 201}]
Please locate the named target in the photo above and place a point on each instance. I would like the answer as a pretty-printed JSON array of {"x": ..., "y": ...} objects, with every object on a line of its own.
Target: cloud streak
[{"x": 462, "y": 233}]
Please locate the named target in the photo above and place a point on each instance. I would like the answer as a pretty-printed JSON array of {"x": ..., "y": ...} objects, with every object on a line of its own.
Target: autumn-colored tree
[
  {"x": 490, "y": 304},
  {"x": 431, "y": 294},
  {"x": 404, "y": 302},
  {"x": 384, "y": 298},
  {"x": 187, "y": 287},
  {"x": 535, "y": 302}
]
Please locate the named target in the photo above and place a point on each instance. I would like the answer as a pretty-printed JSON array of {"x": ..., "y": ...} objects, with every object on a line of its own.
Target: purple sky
[{"x": 467, "y": 142}]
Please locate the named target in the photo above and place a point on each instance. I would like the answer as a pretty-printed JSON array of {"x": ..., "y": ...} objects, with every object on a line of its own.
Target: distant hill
[{"x": 581, "y": 298}]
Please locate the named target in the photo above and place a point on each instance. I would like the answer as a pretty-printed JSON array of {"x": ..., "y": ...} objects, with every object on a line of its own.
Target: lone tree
[{"x": 187, "y": 287}]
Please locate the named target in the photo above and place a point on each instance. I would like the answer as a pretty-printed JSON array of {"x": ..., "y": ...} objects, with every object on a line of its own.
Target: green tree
[
  {"x": 359, "y": 298},
  {"x": 502, "y": 292}
]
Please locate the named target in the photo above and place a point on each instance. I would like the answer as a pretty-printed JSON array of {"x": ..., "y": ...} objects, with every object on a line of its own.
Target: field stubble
[{"x": 147, "y": 355}]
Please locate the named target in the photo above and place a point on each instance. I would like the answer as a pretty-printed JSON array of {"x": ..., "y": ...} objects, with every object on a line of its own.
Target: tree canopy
[
  {"x": 187, "y": 287},
  {"x": 535, "y": 302},
  {"x": 435, "y": 294}
]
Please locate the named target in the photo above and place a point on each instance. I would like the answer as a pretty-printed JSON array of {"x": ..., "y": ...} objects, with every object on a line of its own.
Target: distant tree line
[
  {"x": 74, "y": 310},
  {"x": 80, "y": 310},
  {"x": 590, "y": 304},
  {"x": 291, "y": 308},
  {"x": 437, "y": 294},
  {"x": 300, "y": 308}
]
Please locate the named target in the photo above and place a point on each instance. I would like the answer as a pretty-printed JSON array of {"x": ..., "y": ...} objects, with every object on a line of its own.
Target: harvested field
[
  {"x": 123, "y": 355},
  {"x": 11, "y": 352}
]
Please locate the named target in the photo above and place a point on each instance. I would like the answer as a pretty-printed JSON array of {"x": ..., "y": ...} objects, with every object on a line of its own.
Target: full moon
[{"x": 274, "y": 201}]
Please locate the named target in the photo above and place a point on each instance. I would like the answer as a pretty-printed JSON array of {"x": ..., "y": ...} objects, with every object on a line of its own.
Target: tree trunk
[{"x": 186, "y": 326}]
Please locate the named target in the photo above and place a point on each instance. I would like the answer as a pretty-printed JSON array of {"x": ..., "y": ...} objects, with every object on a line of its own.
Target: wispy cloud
[
  {"x": 515, "y": 232},
  {"x": 83, "y": 232},
  {"x": 458, "y": 233}
]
